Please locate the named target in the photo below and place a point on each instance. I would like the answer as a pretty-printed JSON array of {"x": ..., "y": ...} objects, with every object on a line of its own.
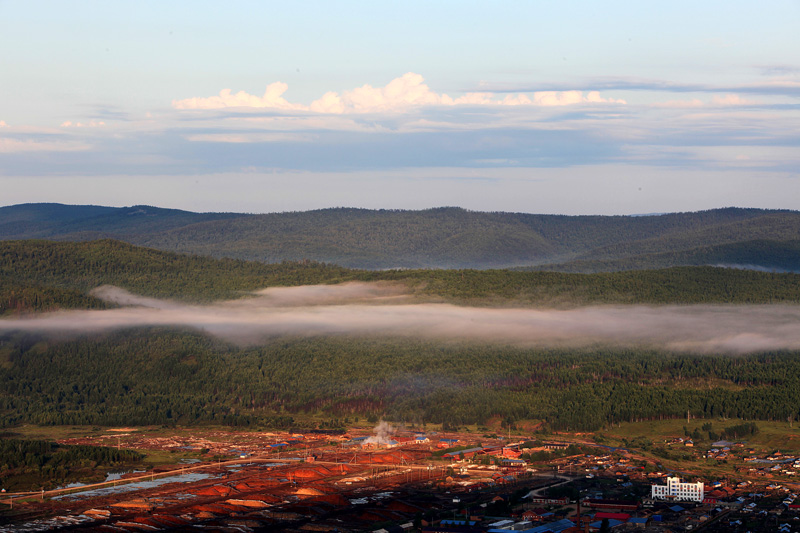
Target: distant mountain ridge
[{"x": 446, "y": 237}]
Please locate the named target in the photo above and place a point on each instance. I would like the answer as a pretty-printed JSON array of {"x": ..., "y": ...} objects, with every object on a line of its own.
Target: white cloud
[
  {"x": 90, "y": 124},
  {"x": 731, "y": 100},
  {"x": 405, "y": 91},
  {"x": 400, "y": 94},
  {"x": 10, "y": 146},
  {"x": 3, "y": 124},
  {"x": 727, "y": 100},
  {"x": 237, "y": 138},
  {"x": 273, "y": 98}
]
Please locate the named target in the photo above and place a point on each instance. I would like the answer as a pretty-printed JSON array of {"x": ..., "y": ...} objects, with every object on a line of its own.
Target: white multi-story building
[{"x": 676, "y": 491}]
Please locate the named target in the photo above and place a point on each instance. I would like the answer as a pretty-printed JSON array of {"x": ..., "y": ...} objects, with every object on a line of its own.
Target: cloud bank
[
  {"x": 384, "y": 309},
  {"x": 671, "y": 147},
  {"x": 784, "y": 86},
  {"x": 407, "y": 91}
]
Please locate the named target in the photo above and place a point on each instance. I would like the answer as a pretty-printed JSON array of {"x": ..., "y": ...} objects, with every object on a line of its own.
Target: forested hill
[
  {"x": 43, "y": 275},
  {"x": 434, "y": 238},
  {"x": 164, "y": 375}
]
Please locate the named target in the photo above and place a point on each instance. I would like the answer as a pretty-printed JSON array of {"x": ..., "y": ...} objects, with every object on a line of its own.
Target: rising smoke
[
  {"x": 383, "y": 434},
  {"x": 384, "y": 309}
]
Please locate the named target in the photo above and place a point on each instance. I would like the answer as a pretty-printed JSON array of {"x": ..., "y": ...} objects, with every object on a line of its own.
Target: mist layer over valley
[
  {"x": 107, "y": 333},
  {"x": 387, "y": 309}
]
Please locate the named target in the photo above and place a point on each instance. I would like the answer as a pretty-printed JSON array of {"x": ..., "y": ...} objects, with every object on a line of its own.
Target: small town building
[{"x": 675, "y": 490}]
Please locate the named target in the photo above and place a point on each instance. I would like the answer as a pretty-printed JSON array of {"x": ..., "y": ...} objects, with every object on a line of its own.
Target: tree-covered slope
[
  {"x": 82, "y": 266},
  {"x": 433, "y": 238},
  {"x": 456, "y": 238},
  {"x": 41, "y": 275},
  {"x": 772, "y": 256},
  {"x": 159, "y": 376},
  {"x": 89, "y": 222},
  {"x": 170, "y": 375}
]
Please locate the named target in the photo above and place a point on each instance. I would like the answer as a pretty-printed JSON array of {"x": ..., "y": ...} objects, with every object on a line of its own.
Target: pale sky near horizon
[{"x": 544, "y": 107}]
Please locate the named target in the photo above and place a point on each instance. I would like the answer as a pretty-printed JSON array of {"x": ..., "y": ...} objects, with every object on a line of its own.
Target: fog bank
[{"x": 384, "y": 309}]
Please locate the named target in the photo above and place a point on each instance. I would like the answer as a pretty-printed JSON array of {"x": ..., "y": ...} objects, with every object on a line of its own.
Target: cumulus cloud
[
  {"x": 3, "y": 124},
  {"x": 407, "y": 91},
  {"x": 273, "y": 98},
  {"x": 384, "y": 309}
]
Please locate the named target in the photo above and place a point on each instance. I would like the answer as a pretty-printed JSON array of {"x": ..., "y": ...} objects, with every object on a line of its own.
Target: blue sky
[{"x": 548, "y": 107}]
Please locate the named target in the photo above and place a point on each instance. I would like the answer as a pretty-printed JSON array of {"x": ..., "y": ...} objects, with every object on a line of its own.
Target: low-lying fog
[{"x": 384, "y": 309}]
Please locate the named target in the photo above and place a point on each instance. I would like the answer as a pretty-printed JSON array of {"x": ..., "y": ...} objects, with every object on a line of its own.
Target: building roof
[
  {"x": 611, "y": 523},
  {"x": 615, "y": 516},
  {"x": 554, "y": 527},
  {"x": 459, "y": 452}
]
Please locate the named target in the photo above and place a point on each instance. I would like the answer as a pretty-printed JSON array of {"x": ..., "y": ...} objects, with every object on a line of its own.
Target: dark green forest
[
  {"x": 45, "y": 275},
  {"x": 163, "y": 376},
  {"x": 170, "y": 376},
  {"x": 446, "y": 237},
  {"x": 31, "y": 464}
]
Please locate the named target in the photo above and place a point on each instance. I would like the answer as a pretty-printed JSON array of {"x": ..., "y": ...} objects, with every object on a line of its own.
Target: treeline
[
  {"x": 737, "y": 431},
  {"x": 39, "y": 454},
  {"x": 27, "y": 464},
  {"x": 42, "y": 275},
  {"x": 162, "y": 376}
]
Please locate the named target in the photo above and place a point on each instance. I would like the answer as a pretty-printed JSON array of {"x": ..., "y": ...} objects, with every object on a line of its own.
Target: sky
[{"x": 540, "y": 107}]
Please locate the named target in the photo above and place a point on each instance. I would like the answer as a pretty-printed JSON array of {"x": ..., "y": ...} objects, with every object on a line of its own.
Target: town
[{"x": 390, "y": 480}]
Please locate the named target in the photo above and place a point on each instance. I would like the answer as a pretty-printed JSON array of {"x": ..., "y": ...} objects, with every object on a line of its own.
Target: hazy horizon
[{"x": 348, "y": 207}]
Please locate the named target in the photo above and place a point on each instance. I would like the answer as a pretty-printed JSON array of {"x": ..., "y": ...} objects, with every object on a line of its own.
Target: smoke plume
[{"x": 383, "y": 434}]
